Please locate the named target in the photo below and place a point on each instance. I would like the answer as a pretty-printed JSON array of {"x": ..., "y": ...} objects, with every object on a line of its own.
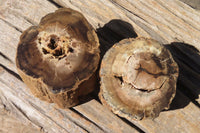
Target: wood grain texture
[
  {"x": 9, "y": 124},
  {"x": 163, "y": 20},
  {"x": 94, "y": 111},
  {"x": 16, "y": 97},
  {"x": 175, "y": 120},
  {"x": 28, "y": 110}
]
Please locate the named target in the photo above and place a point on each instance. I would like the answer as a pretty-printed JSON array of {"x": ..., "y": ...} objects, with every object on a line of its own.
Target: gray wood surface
[{"x": 163, "y": 20}]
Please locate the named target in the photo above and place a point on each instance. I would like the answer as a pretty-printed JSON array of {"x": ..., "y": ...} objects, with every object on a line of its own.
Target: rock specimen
[
  {"x": 58, "y": 58},
  {"x": 138, "y": 78}
]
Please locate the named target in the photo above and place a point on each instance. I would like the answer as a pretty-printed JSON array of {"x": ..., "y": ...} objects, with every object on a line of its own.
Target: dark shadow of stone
[
  {"x": 188, "y": 60},
  {"x": 113, "y": 32},
  {"x": 180, "y": 101}
]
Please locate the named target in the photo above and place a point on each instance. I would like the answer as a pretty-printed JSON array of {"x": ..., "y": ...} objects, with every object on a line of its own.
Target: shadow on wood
[
  {"x": 113, "y": 32},
  {"x": 188, "y": 59},
  {"x": 11, "y": 72}
]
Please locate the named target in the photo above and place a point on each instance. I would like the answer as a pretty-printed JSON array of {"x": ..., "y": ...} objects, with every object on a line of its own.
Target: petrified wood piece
[
  {"x": 57, "y": 59},
  {"x": 138, "y": 78}
]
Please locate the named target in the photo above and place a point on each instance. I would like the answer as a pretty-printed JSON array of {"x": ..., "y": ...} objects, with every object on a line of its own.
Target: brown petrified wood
[
  {"x": 138, "y": 78},
  {"x": 57, "y": 59}
]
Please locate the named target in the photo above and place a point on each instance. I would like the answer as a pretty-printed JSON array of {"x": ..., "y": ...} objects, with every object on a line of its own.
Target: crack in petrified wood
[{"x": 138, "y": 78}]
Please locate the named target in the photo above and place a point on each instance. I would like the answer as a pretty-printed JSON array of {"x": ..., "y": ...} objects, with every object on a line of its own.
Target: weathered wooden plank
[
  {"x": 167, "y": 19},
  {"x": 9, "y": 124},
  {"x": 100, "y": 12},
  {"x": 93, "y": 110},
  {"x": 31, "y": 10},
  {"x": 8, "y": 63},
  {"x": 162, "y": 20},
  {"x": 9, "y": 38},
  {"x": 181, "y": 118},
  {"x": 29, "y": 109},
  {"x": 15, "y": 19},
  {"x": 177, "y": 24},
  {"x": 16, "y": 97}
]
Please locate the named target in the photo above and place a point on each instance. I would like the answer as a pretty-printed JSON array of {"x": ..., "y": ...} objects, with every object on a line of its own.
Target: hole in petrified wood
[
  {"x": 119, "y": 78},
  {"x": 39, "y": 40},
  {"x": 52, "y": 45},
  {"x": 44, "y": 51},
  {"x": 71, "y": 50},
  {"x": 55, "y": 46},
  {"x": 58, "y": 52}
]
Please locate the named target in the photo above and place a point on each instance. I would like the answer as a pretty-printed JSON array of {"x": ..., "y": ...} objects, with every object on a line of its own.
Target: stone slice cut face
[
  {"x": 138, "y": 78},
  {"x": 58, "y": 56}
]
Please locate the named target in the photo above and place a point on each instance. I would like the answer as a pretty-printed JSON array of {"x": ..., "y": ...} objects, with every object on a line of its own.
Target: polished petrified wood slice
[
  {"x": 57, "y": 59},
  {"x": 138, "y": 78}
]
